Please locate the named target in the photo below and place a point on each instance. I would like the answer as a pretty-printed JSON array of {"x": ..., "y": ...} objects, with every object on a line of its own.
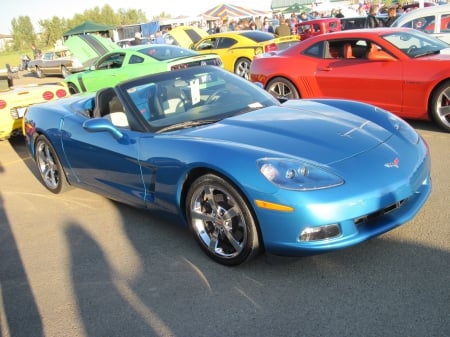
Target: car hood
[
  {"x": 324, "y": 135},
  {"x": 87, "y": 48}
]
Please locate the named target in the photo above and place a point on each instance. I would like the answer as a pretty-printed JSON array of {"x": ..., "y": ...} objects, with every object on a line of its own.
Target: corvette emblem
[{"x": 394, "y": 163}]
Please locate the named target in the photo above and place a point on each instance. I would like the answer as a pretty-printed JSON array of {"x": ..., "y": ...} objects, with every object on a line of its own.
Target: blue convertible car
[{"x": 245, "y": 172}]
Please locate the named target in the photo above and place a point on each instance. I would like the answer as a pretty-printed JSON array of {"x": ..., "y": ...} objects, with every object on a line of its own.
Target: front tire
[
  {"x": 281, "y": 88},
  {"x": 440, "y": 106},
  {"x": 49, "y": 166},
  {"x": 39, "y": 72},
  {"x": 221, "y": 221}
]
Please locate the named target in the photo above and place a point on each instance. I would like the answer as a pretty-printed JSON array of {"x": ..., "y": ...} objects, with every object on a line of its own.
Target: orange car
[{"x": 402, "y": 70}]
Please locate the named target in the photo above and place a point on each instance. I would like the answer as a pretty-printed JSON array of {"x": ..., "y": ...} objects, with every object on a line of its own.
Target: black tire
[
  {"x": 65, "y": 72},
  {"x": 221, "y": 221},
  {"x": 72, "y": 88},
  {"x": 282, "y": 88},
  {"x": 39, "y": 73},
  {"x": 49, "y": 166},
  {"x": 440, "y": 106},
  {"x": 242, "y": 67}
]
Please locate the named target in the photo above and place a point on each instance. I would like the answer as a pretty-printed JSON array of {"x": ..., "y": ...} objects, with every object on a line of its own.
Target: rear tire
[
  {"x": 49, "y": 166},
  {"x": 65, "y": 72},
  {"x": 282, "y": 88},
  {"x": 242, "y": 67},
  {"x": 72, "y": 88}
]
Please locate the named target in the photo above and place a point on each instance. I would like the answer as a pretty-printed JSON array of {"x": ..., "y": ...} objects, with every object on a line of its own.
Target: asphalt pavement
[{"x": 79, "y": 265}]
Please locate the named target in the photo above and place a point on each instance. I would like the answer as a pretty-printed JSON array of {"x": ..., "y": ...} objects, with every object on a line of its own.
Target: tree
[
  {"x": 23, "y": 33},
  {"x": 52, "y": 30}
]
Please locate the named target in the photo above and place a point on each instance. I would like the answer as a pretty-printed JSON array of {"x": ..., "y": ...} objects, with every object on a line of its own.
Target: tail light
[
  {"x": 271, "y": 47},
  {"x": 178, "y": 66},
  {"x": 48, "y": 95},
  {"x": 61, "y": 93},
  {"x": 2, "y": 104}
]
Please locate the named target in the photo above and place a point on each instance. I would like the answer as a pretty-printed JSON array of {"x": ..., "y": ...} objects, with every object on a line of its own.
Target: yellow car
[
  {"x": 238, "y": 48},
  {"x": 15, "y": 101}
]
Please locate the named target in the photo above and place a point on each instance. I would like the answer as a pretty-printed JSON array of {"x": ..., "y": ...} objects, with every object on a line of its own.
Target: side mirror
[{"x": 102, "y": 125}]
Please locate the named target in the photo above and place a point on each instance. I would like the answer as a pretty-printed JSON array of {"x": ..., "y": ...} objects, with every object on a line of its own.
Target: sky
[{"x": 47, "y": 9}]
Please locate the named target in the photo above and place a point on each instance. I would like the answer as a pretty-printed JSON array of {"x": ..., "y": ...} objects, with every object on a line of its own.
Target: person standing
[
  {"x": 392, "y": 15},
  {"x": 283, "y": 29},
  {"x": 371, "y": 19},
  {"x": 36, "y": 52},
  {"x": 267, "y": 27}
]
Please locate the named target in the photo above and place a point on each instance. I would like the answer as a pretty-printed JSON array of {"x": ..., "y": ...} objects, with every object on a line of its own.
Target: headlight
[
  {"x": 297, "y": 175},
  {"x": 404, "y": 129}
]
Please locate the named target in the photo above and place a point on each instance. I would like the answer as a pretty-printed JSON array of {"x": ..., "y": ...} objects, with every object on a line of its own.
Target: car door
[
  {"x": 358, "y": 78},
  {"x": 102, "y": 163},
  {"x": 222, "y": 47},
  {"x": 49, "y": 64},
  {"x": 108, "y": 72}
]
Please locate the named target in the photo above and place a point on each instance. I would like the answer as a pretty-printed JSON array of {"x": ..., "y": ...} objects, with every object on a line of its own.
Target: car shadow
[
  {"x": 425, "y": 126},
  {"x": 18, "y": 308}
]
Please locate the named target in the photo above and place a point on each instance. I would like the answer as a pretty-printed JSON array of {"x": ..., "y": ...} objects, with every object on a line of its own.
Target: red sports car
[{"x": 399, "y": 69}]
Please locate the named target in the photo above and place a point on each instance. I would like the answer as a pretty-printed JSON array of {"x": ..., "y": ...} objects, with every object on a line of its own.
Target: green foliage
[
  {"x": 51, "y": 30},
  {"x": 22, "y": 32}
]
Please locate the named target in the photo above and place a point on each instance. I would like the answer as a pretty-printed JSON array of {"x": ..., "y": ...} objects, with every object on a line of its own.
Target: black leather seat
[{"x": 155, "y": 105}]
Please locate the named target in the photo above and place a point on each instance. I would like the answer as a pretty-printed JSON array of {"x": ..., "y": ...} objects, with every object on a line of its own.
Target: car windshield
[
  {"x": 163, "y": 52},
  {"x": 195, "y": 96},
  {"x": 414, "y": 43}
]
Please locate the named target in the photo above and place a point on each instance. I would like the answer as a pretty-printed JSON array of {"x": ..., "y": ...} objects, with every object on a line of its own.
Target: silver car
[{"x": 433, "y": 20}]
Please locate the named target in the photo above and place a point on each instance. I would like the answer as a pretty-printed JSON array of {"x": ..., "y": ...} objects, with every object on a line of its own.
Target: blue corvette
[{"x": 243, "y": 171}]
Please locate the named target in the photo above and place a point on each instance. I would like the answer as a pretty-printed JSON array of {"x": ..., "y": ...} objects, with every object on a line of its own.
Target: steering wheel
[
  {"x": 411, "y": 48},
  {"x": 217, "y": 95}
]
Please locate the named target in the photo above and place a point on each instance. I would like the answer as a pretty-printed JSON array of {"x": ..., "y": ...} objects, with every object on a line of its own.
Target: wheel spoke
[
  {"x": 444, "y": 111},
  {"x": 214, "y": 240},
  {"x": 197, "y": 214},
  {"x": 208, "y": 192},
  {"x": 233, "y": 241}
]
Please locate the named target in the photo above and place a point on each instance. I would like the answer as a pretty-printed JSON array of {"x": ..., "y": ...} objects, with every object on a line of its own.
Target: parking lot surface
[{"x": 78, "y": 264}]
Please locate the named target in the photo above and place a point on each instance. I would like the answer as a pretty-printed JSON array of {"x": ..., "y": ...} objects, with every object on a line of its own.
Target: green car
[{"x": 126, "y": 63}]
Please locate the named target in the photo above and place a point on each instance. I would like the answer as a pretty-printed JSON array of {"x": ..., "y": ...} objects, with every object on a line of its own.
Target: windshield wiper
[{"x": 187, "y": 124}]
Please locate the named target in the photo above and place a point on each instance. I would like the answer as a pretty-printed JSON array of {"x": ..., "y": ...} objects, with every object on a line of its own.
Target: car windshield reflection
[
  {"x": 415, "y": 44},
  {"x": 187, "y": 98}
]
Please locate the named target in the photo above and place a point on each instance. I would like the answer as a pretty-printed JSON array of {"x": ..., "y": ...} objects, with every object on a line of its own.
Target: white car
[{"x": 434, "y": 20}]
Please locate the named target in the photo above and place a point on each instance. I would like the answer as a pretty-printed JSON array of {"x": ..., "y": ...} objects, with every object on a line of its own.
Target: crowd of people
[
  {"x": 282, "y": 24},
  {"x": 285, "y": 24}
]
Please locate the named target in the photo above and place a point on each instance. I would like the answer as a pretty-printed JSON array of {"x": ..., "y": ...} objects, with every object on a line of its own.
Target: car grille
[{"x": 379, "y": 213}]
